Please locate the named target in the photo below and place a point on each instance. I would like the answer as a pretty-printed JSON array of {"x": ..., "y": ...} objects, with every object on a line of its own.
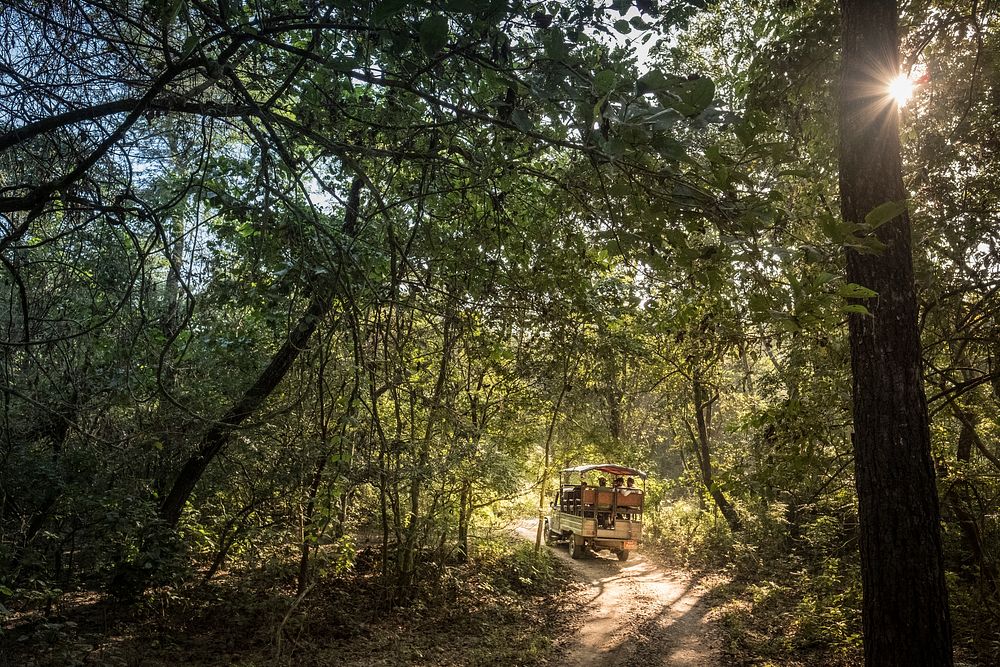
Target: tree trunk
[
  {"x": 960, "y": 497},
  {"x": 702, "y": 444},
  {"x": 544, "y": 482},
  {"x": 905, "y": 602},
  {"x": 407, "y": 569},
  {"x": 308, "y": 533},
  {"x": 170, "y": 318},
  {"x": 464, "y": 510},
  {"x": 57, "y": 432},
  {"x": 218, "y": 435}
]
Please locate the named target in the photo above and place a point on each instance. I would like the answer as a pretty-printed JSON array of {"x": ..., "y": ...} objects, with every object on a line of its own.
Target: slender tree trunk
[
  {"x": 308, "y": 532},
  {"x": 905, "y": 606},
  {"x": 549, "y": 434},
  {"x": 960, "y": 499},
  {"x": 464, "y": 510},
  {"x": 408, "y": 562},
  {"x": 218, "y": 435},
  {"x": 57, "y": 433},
  {"x": 170, "y": 318},
  {"x": 702, "y": 406}
]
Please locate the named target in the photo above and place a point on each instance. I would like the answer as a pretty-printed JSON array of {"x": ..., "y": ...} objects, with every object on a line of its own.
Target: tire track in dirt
[{"x": 633, "y": 613}]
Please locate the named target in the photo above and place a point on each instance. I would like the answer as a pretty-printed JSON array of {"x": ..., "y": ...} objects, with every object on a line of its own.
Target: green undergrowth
[
  {"x": 504, "y": 607},
  {"x": 794, "y": 612},
  {"x": 789, "y": 593},
  {"x": 784, "y": 595}
]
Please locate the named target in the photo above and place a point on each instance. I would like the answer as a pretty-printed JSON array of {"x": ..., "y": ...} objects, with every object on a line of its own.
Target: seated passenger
[{"x": 629, "y": 488}]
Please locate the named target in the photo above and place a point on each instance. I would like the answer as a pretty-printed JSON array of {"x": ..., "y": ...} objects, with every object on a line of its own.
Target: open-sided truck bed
[{"x": 597, "y": 516}]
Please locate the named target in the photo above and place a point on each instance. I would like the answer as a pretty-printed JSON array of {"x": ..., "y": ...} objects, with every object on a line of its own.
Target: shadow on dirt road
[{"x": 633, "y": 613}]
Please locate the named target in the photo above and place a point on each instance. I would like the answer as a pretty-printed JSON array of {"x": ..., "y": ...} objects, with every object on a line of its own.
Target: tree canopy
[{"x": 284, "y": 277}]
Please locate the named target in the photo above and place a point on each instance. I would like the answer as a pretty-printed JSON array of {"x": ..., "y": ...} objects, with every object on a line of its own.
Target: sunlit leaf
[
  {"x": 855, "y": 291},
  {"x": 883, "y": 213}
]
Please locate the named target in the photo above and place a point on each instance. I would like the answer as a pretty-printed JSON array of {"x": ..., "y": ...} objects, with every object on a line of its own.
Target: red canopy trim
[{"x": 610, "y": 468}]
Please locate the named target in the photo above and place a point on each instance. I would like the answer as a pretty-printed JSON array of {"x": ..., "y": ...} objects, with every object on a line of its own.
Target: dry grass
[{"x": 503, "y": 609}]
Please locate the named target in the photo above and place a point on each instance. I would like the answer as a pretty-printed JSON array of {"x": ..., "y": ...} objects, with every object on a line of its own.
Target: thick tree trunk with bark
[{"x": 905, "y": 608}]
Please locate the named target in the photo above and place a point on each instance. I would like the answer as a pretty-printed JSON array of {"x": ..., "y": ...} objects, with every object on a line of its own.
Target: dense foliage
[{"x": 283, "y": 276}]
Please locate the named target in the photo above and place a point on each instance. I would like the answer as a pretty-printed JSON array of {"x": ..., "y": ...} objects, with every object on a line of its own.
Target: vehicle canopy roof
[{"x": 610, "y": 468}]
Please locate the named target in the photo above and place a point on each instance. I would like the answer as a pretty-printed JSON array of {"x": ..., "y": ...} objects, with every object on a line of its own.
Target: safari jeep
[{"x": 597, "y": 507}]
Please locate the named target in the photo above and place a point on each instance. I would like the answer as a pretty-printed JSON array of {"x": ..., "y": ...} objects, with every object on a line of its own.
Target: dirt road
[{"x": 634, "y": 613}]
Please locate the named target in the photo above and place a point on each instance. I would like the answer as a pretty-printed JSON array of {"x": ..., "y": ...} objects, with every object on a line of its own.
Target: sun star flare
[{"x": 901, "y": 90}]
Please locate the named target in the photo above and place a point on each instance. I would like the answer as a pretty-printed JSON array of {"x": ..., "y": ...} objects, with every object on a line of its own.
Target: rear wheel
[
  {"x": 575, "y": 550},
  {"x": 623, "y": 555}
]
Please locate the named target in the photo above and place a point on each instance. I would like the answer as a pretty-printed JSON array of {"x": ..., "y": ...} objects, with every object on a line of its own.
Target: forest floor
[
  {"x": 506, "y": 608},
  {"x": 636, "y": 612}
]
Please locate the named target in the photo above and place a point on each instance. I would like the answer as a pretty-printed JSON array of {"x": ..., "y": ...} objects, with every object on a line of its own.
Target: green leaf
[
  {"x": 837, "y": 230},
  {"x": 786, "y": 322},
  {"x": 855, "y": 291},
  {"x": 653, "y": 81},
  {"x": 868, "y": 245},
  {"x": 657, "y": 81},
  {"x": 745, "y": 133},
  {"x": 824, "y": 277},
  {"x": 433, "y": 33},
  {"x": 554, "y": 42},
  {"x": 623, "y": 26},
  {"x": 694, "y": 96},
  {"x": 343, "y": 64},
  {"x": 669, "y": 147},
  {"x": 597, "y": 111},
  {"x": 614, "y": 147},
  {"x": 883, "y": 213},
  {"x": 619, "y": 188},
  {"x": 468, "y": 6},
  {"x": 604, "y": 82},
  {"x": 664, "y": 119},
  {"x": 522, "y": 120},
  {"x": 387, "y": 9},
  {"x": 190, "y": 44},
  {"x": 170, "y": 14},
  {"x": 857, "y": 309}
]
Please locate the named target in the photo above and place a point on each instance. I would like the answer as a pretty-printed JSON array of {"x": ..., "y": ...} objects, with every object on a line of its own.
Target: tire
[
  {"x": 622, "y": 554},
  {"x": 549, "y": 539},
  {"x": 575, "y": 550}
]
